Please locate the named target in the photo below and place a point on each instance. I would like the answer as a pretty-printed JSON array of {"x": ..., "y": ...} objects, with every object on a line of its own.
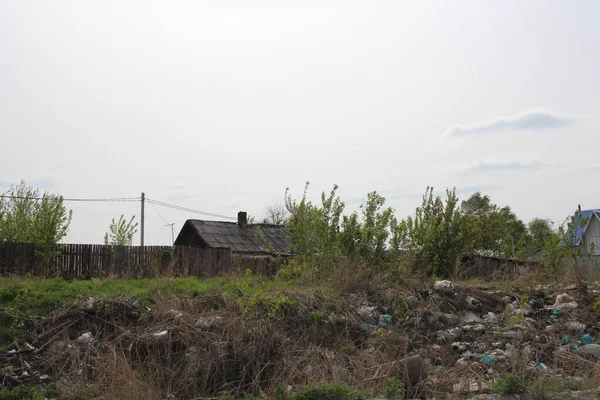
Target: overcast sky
[{"x": 221, "y": 105}]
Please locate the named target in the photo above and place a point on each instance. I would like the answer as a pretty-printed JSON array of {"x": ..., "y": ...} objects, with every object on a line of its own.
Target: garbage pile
[{"x": 443, "y": 340}]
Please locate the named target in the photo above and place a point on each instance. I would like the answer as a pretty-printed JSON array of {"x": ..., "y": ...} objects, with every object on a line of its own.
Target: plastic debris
[
  {"x": 490, "y": 317},
  {"x": 175, "y": 313},
  {"x": 161, "y": 334},
  {"x": 586, "y": 339},
  {"x": 385, "y": 319},
  {"x": 470, "y": 317},
  {"x": 444, "y": 286},
  {"x": 536, "y": 304},
  {"x": 89, "y": 303},
  {"x": 591, "y": 349},
  {"x": 472, "y": 303},
  {"x": 207, "y": 322},
  {"x": 563, "y": 298},
  {"x": 487, "y": 360},
  {"x": 461, "y": 347},
  {"x": 367, "y": 314},
  {"x": 575, "y": 326},
  {"x": 557, "y": 312},
  {"x": 85, "y": 338},
  {"x": 478, "y": 328},
  {"x": 569, "y": 306},
  {"x": 542, "y": 366}
]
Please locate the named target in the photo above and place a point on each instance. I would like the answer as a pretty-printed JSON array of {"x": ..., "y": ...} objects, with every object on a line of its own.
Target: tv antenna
[{"x": 172, "y": 233}]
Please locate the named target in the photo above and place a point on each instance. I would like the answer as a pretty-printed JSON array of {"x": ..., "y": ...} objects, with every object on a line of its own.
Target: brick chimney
[{"x": 242, "y": 219}]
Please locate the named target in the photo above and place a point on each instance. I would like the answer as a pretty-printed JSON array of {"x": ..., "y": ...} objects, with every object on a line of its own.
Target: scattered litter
[
  {"x": 563, "y": 298},
  {"x": 85, "y": 338},
  {"x": 473, "y": 303},
  {"x": 89, "y": 303},
  {"x": 586, "y": 339},
  {"x": 368, "y": 314},
  {"x": 557, "y": 312},
  {"x": 487, "y": 360},
  {"x": 461, "y": 347},
  {"x": 174, "y": 313},
  {"x": 161, "y": 334},
  {"x": 469, "y": 317},
  {"x": 542, "y": 366},
  {"x": 208, "y": 321},
  {"x": 572, "y": 305},
  {"x": 444, "y": 286},
  {"x": 384, "y": 320},
  {"x": 591, "y": 349},
  {"x": 575, "y": 326},
  {"x": 470, "y": 385},
  {"x": 536, "y": 303}
]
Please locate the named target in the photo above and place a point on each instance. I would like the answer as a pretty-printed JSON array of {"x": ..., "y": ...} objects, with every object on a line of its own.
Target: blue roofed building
[{"x": 586, "y": 232}]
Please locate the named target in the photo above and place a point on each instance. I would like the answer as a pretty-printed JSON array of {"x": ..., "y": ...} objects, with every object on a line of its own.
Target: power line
[
  {"x": 114, "y": 199},
  {"x": 158, "y": 212},
  {"x": 186, "y": 209}
]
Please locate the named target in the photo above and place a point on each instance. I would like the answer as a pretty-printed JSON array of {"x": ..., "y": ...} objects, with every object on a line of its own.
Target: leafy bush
[
  {"x": 329, "y": 391},
  {"x": 509, "y": 384}
]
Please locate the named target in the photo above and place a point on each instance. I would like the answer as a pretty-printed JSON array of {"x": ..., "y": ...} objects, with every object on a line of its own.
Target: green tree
[
  {"x": 489, "y": 227},
  {"x": 434, "y": 233},
  {"x": 374, "y": 230},
  {"x": 315, "y": 228},
  {"x": 121, "y": 232},
  {"x": 28, "y": 216}
]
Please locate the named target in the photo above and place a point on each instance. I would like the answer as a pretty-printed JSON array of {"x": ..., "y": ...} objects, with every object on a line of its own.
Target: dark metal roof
[{"x": 254, "y": 238}]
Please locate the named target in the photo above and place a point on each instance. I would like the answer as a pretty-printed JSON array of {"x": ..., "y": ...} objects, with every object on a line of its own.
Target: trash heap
[{"x": 442, "y": 340}]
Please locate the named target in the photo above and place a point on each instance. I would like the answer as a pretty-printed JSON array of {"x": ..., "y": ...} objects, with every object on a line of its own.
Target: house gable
[{"x": 592, "y": 229}]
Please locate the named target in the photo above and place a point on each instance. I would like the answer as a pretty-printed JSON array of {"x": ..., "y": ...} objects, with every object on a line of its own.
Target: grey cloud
[{"x": 532, "y": 120}]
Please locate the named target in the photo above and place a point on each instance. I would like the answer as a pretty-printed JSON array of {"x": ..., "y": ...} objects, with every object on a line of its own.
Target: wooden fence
[{"x": 85, "y": 261}]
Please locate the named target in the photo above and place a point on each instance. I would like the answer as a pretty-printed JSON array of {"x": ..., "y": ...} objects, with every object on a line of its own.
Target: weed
[
  {"x": 597, "y": 304},
  {"x": 25, "y": 393},
  {"x": 394, "y": 390},
  {"x": 574, "y": 385},
  {"x": 509, "y": 384},
  {"x": 516, "y": 319},
  {"x": 329, "y": 391},
  {"x": 541, "y": 393},
  {"x": 317, "y": 316}
]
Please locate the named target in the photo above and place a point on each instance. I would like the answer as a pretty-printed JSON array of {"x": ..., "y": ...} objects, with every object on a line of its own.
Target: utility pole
[
  {"x": 142, "y": 221},
  {"x": 172, "y": 233}
]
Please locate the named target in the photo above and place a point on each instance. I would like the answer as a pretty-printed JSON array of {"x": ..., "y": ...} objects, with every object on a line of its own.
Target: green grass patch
[{"x": 39, "y": 297}]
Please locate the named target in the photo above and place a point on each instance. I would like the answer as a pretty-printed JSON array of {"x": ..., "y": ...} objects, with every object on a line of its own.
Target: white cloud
[
  {"x": 530, "y": 120},
  {"x": 482, "y": 166}
]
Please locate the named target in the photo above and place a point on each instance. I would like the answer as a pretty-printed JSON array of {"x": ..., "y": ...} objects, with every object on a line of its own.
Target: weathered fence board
[{"x": 85, "y": 261}]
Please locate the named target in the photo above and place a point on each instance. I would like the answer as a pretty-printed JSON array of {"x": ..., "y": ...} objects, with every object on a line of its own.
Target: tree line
[
  {"x": 440, "y": 232},
  {"x": 27, "y": 215}
]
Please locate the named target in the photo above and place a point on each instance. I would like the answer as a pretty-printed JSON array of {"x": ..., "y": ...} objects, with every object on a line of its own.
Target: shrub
[{"x": 509, "y": 384}]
